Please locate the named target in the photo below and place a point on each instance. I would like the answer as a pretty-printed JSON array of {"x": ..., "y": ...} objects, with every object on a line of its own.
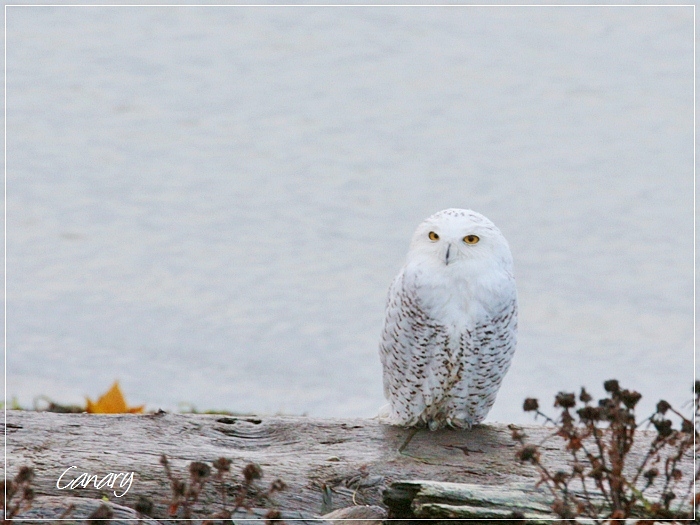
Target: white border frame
[{"x": 317, "y": 5}]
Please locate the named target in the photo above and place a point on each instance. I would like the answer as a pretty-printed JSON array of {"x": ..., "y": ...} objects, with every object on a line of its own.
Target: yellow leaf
[{"x": 112, "y": 402}]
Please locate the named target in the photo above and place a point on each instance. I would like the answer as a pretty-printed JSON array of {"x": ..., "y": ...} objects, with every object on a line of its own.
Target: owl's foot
[
  {"x": 462, "y": 424},
  {"x": 436, "y": 421}
]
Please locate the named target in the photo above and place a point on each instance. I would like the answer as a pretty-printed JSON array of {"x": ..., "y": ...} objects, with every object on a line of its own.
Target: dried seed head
[
  {"x": 612, "y": 386},
  {"x": 178, "y": 487},
  {"x": 517, "y": 434},
  {"x": 574, "y": 443},
  {"x": 630, "y": 398},
  {"x": 272, "y": 514},
  {"x": 252, "y": 472},
  {"x": 24, "y": 475},
  {"x": 651, "y": 474},
  {"x": 676, "y": 474},
  {"x": 531, "y": 405},
  {"x": 528, "y": 453},
  {"x": 662, "y": 406},
  {"x": 144, "y": 505},
  {"x": 560, "y": 477},
  {"x": 103, "y": 512},
  {"x": 565, "y": 400},
  {"x": 163, "y": 460},
  {"x": 578, "y": 468},
  {"x": 199, "y": 470},
  {"x": 589, "y": 414},
  {"x": 28, "y": 493},
  {"x": 668, "y": 497},
  {"x": 222, "y": 464},
  {"x": 663, "y": 427},
  {"x": 277, "y": 485},
  {"x": 584, "y": 396},
  {"x": 608, "y": 409},
  {"x": 606, "y": 404}
]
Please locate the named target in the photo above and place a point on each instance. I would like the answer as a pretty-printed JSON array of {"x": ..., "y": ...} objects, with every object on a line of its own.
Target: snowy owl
[{"x": 451, "y": 323}]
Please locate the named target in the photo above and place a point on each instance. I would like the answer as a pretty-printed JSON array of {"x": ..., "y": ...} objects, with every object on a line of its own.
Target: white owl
[{"x": 451, "y": 323}]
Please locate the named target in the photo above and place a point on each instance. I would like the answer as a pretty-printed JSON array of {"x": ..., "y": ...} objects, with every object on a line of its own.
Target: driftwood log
[{"x": 325, "y": 464}]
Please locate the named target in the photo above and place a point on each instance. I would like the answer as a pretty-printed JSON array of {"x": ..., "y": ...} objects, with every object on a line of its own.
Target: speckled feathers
[{"x": 451, "y": 323}]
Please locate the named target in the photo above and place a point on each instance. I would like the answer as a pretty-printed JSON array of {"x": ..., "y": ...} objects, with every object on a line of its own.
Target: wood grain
[{"x": 326, "y": 464}]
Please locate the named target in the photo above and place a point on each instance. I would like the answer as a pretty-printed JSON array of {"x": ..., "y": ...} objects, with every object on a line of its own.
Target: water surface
[{"x": 209, "y": 204}]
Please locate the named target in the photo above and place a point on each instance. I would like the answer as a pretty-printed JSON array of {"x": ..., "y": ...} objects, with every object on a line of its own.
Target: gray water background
[{"x": 209, "y": 204}]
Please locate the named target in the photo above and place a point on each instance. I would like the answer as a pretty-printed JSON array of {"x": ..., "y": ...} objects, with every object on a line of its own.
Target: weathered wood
[
  {"x": 79, "y": 509},
  {"x": 431, "y": 499},
  {"x": 326, "y": 464},
  {"x": 360, "y": 514},
  {"x": 52, "y": 507},
  {"x": 445, "y": 502}
]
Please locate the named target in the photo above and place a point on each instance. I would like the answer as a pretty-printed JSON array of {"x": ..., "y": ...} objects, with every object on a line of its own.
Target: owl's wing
[
  {"x": 487, "y": 351},
  {"x": 408, "y": 342}
]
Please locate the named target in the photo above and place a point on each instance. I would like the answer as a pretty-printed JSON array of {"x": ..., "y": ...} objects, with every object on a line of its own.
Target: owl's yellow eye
[
  {"x": 433, "y": 236},
  {"x": 471, "y": 239}
]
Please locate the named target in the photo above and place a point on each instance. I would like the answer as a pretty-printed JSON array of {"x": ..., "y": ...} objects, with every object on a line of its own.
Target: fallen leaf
[{"x": 112, "y": 402}]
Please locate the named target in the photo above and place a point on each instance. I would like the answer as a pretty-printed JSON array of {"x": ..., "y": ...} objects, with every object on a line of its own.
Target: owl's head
[{"x": 454, "y": 237}]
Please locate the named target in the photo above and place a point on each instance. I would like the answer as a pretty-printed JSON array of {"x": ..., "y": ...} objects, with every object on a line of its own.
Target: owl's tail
[{"x": 389, "y": 417}]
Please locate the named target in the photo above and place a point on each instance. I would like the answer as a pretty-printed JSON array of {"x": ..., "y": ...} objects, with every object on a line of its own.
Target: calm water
[{"x": 209, "y": 204}]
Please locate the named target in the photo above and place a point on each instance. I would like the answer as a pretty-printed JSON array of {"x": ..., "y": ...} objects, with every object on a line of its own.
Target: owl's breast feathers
[{"x": 446, "y": 345}]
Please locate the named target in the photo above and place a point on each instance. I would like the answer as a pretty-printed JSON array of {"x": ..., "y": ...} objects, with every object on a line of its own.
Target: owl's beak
[{"x": 447, "y": 255}]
